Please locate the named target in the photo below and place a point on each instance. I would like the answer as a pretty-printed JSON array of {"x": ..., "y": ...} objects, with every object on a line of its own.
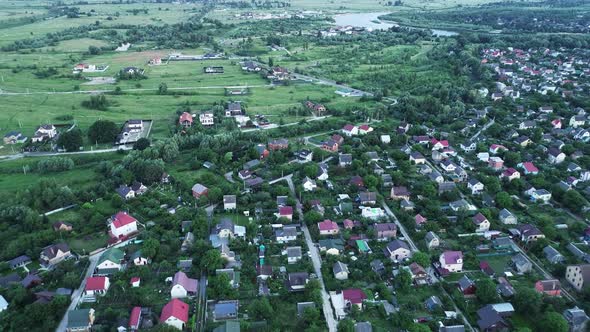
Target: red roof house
[
  {"x": 186, "y": 119},
  {"x": 529, "y": 168},
  {"x": 548, "y": 287},
  {"x": 175, "y": 313},
  {"x": 354, "y": 296},
  {"x": 134, "y": 318},
  {"x": 122, "y": 225},
  {"x": 286, "y": 212},
  {"x": 328, "y": 227}
]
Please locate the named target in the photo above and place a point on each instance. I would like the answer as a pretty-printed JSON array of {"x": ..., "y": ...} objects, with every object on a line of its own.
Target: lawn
[{"x": 84, "y": 244}]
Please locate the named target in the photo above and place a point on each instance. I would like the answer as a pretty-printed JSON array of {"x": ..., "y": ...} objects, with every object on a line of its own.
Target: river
[{"x": 371, "y": 21}]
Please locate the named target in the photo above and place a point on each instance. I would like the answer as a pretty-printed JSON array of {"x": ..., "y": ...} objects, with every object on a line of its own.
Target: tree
[
  {"x": 96, "y": 102},
  {"x": 150, "y": 247},
  {"x": 261, "y": 309},
  {"x": 220, "y": 287},
  {"x": 504, "y": 200},
  {"x": 573, "y": 200},
  {"x": 554, "y": 322},
  {"x": 141, "y": 144},
  {"x": 421, "y": 258},
  {"x": 404, "y": 279},
  {"x": 345, "y": 325},
  {"x": 71, "y": 140},
  {"x": 102, "y": 131},
  {"x": 486, "y": 290},
  {"x": 211, "y": 261},
  {"x": 417, "y": 327},
  {"x": 163, "y": 88},
  {"x": 527, "y": 301}
]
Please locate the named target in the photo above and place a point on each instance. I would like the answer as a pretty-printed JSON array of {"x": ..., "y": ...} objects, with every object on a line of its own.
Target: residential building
[
  {"x": 328, "y": 227},
  {"x": 80, "y": 320},
  {"x": 122, "y": 225},
  {"x": 548, "y": 287},
  {"x": 578, "y": 276},
  {"x": 340, "y": 270},
  {"x": 183, "y": 286},
  {"x": 96, "y": 286},
  {"x": 175, "y": 313},
  {"x": 451, "y": 261},
  {"x": 432, "y": 240},
  {"x": 54, "y": 254},
  {"x": 229, "y": 202},
  {"x": 397, "y": 250},
  {"x": 577, "y": 319}
]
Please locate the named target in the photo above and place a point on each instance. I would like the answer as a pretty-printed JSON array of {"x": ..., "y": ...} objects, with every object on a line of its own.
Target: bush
[
  {"x": 56, "y": 164},
  {"x": 98, "y": 102}
]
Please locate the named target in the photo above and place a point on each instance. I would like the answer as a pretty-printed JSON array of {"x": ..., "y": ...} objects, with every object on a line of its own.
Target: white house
[
  {"x": 183, "y": 286},
  {"x": 385, "y": 139},
  {"x": 340, "y": 271},
  {"x": 3, "y": 303},
  {"x": 350, "y": 130},
  {"x": 452, "y": 261},
  {"x": 475, "y": 186},
  {"x": 96, "y": 286},
  {"x": 555, "y": 156},
  {"x": 309, "y": 184},
  {"x": 481, "y": 223},
  {"x": 122, "y": 224},
  {"x": 541, "y": 195},
  {"x": 207, "y": 119},
  {"x": 577, "y": 121}
]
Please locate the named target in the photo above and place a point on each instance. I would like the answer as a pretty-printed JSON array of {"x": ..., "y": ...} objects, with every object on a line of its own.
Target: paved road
[
  {"x": 6, "y": 93},
  {"x": 77, "y": 294},
  {"x": 484, "y": 128},
  {"x": 315, "y": 258},
  {"x": 401, "y": 227},
  {"x": 52, "y": 154}
]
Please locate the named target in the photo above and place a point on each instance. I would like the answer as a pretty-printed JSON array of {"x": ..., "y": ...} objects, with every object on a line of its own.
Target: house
[
  {"x": 397, "y": 250},
  {"x": 555, "y": 156},
  {"x": 3, "y": 303},
  {"x": 523, "y": 141},
  {"x": 286, "y": 234},
  {"x": 419, "y": 274},
  {"x": 340, "y": 271},
  {"x": 363, "y": 327},
  {"x": 496, "y": 163},
  {"x": 365, "y": 129},
  {"x": 579, "y": 254},
  {"x": 135, "y": 282},
  {"x": 437, "y": 145},
  {"x": 19, "y": 261},
  {"x": 229, "y": 202},
  {"x": 578, "y": 276},
  {"x": 548, "y": 287},
  {"x": 350, "y": 130},
  {"x": 323, "y": 172},
  {"x": 317, "y": 109},
  {"x": 251, "y": 66},
  {"x": 14, "y": 137},
  {"x": 490, "y": 320},
  {"x": 475, "y": 186},
  {"x": 328, "y": 227},
  {"x": 199, "y": 191},
  {"x": 448, "y": 166},
  {"x": 175, "y": 314},
  {"x": 576, "y": 318},
  {"x": 556, "y": 123},
  {"x": 135, "y": 319},
  {"x": 344, "y": 159},
  {"x": 399, "y": 193},
  {"x": 309, "y": 184},
  {"x": 417, "y": 158},
  {"x": 110, "y": 262},
  {"x": 372, "y": 213},
  {"x": 461, "y": 205},
  {"x": 507, "y": 217},
  {"x": 528, "y": 124},
  {"x": 466, "y": 286},
  {"x": 481, "y": 223},
  {"x": 496, "y": 148},
  {"x": 262, "y": 151},
  {"x": 452, "y": 261},
  {"x": 468, "y": 146},
  {"x": 521, "y": 264},
  {"x": 541, "y": 195},
  {"x": 285, "y": 212},
  {"x": 122, "y": 225},
  {"x": 278, "y": 144},
  {"x": 510, "y": 174},
  {"x": 577, "y": 121},
  {"x": 529, "y": 233},
  {"x": 419, "y": 220},
  {"x": 183, "y": 286},
  {"x": 331, "y": 246},
  {"x": 385, "y": 139},
  {"x": 96, "y": 286},
  {"x": 354, "y": 296},
  {"x": 233, "y": 109},
  {"x": 44, "y": 132},
  {"x": 384, "y": 231},
  {"x": 80, "y": 320},
  {"x": 224, "y": 310},
  {"x": 552, "y": 255},
  {"x": 207, "y": 119},
  {"x": 367, "y": 197},
  {"x": 433, "y": 303},
  {"x": 297, "y": 281},
  {"x": 185, "y": 119},
  {"x": 293, "y": 254},
  {"x": 432, "y": 240},
  {"x": 54, "y": 254}
]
